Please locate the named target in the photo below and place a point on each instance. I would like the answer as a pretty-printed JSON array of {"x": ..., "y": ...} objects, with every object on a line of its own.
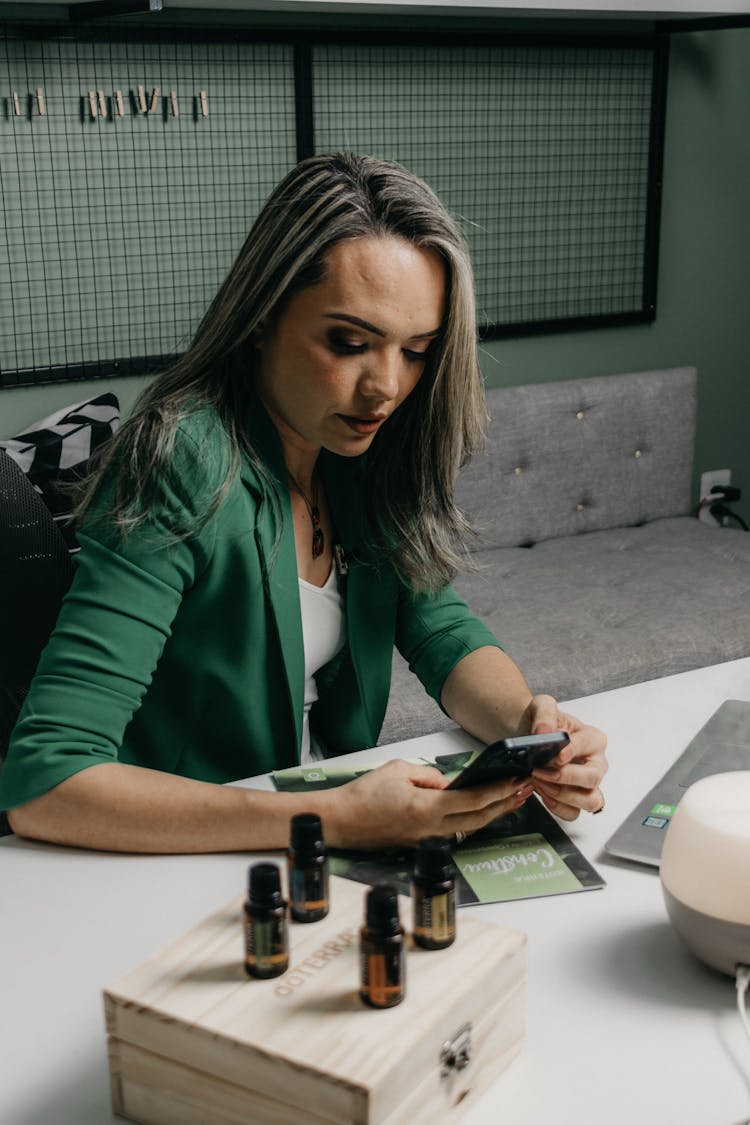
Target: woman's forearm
[
  {"x": 487, "y": 695},
  {"x": 113, "y": 806},
  {"x": 125, "y": 808}
]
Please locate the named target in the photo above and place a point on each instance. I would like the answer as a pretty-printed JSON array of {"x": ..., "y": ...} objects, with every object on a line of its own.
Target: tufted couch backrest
[{"x": 582, "y": 455}]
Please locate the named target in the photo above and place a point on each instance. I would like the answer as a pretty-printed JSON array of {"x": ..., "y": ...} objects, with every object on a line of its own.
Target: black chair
[{"x": 35, "y": 572}]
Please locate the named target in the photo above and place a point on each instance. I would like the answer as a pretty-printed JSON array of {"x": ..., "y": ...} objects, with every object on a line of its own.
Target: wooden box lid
[{"x": 192, "y": 1039}]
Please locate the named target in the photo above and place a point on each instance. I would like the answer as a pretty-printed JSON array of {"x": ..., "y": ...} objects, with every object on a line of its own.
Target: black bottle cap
[
  {"x": 307, "y": 833},
  {"x": 433, "y": 859},
  {"x": 264, "y": 884},
  {"x": 382, "y": 909}
]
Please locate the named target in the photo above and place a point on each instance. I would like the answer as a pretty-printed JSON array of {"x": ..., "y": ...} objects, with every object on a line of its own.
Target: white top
[{"x": 323, "y": 635}]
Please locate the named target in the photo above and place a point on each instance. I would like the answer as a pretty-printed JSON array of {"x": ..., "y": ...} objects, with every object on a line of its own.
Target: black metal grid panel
[
  {"x": 124, "y": 207},
  {"x": 120, "y": 221},
  {"x": 542, "y": 152}
]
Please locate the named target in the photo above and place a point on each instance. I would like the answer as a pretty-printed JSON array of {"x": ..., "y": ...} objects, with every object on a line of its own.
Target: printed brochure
[{"x": 524, "y": 855}]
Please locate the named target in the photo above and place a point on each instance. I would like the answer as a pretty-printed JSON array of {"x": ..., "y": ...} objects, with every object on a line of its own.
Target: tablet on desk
[{"x": 721, "y": 746}]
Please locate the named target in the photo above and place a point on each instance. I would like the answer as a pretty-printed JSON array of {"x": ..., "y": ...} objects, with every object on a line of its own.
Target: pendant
[{"x": 318, "y": 538}]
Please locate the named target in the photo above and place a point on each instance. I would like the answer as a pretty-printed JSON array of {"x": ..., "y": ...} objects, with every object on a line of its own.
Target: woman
[{"x": 276, "y": 513}]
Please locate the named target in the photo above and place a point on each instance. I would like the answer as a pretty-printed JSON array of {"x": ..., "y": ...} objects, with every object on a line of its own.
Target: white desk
[{"x": 623, "y": 1026}]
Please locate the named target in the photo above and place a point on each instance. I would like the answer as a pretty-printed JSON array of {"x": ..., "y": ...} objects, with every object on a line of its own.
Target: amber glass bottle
[
  {"x": 434, "y": 894},
  {"x": 307, "y": 864},
  {"x": 265, "y": 916},
  {"x": 382, "y": 954}
]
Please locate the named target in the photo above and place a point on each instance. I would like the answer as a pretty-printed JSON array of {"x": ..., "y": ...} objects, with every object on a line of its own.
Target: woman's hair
[{"x": 414, "y": 458}]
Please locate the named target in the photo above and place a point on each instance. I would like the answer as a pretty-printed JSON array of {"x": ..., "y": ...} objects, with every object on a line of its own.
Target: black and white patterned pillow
[{"x": 57, "y": 449}]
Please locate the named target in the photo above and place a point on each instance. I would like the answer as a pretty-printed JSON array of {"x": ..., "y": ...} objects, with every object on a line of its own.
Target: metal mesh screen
[
  {"x": 131, "y": 170},
  {"x": 542, "y": 152},
  {"x": 130, "y": 174}
]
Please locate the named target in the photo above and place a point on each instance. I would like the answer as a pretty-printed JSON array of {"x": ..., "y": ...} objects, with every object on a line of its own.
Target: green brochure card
[
  {"x": 523, "y": 855},
  {"x": 515, "y": 868},
  {"x": 298, "y": 779}
]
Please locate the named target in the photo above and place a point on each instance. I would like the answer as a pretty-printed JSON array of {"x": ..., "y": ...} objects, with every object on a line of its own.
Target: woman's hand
[
  {"x": 571, "y": 781},
  {"x": 399, "y": 803}
]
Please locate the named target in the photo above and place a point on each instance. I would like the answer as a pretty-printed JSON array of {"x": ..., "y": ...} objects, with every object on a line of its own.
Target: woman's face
[{"x": 345, "y": 353}]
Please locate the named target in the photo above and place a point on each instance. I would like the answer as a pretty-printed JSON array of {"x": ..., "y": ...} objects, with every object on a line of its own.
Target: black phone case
[{"x": 510, "y": 757}]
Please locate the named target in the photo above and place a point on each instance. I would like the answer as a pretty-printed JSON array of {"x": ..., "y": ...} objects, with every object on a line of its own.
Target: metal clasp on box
[{"x": 455, "y": 1054}]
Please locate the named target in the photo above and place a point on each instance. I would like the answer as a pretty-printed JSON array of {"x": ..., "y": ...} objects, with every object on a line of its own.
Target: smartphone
[{"x": 510, "y": 757}]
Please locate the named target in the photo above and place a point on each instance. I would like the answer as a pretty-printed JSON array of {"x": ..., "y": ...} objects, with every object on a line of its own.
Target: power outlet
[{"x": 708, "y": 480}]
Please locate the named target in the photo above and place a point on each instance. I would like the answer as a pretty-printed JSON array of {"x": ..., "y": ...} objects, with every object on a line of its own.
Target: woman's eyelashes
[
  {"x": 341, "y": 345},
  {"x": 418, "y": 357}
]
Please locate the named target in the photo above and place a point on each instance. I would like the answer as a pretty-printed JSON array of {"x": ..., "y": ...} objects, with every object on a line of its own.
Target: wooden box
[{"x": 192, "y": 1040}]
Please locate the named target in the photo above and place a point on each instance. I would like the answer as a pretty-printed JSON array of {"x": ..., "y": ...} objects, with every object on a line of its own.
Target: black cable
[{"x": 721, "y": 512}]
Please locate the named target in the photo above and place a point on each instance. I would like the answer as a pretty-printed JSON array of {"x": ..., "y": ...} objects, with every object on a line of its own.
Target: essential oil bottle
[
  {"x": 265, "y": 916},
  {"x": 307, "y": 865},
  {"x": 434, "y": 894},
  {"x": 382, "y": 954}
]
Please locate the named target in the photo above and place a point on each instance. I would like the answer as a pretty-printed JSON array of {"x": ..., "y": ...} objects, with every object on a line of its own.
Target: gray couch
[{"x": 590, "y": 569}]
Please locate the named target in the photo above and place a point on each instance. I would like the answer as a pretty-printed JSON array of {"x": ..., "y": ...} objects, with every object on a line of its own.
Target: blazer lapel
[{"x": 274, "y": 537}]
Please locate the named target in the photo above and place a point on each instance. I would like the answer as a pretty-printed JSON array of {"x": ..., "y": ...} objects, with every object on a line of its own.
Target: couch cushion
[
  {"x": 582, "y": 455},
  {"x": 599, "y": 611}
]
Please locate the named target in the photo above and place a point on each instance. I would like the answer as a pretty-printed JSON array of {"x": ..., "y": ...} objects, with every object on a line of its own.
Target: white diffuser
[{"x": 705, "y": 870}]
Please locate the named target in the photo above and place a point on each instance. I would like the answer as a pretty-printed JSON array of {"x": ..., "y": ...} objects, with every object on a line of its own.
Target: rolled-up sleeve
[
  {"x": 434, "y": 632},
  {"x": 99, "y": 662}
]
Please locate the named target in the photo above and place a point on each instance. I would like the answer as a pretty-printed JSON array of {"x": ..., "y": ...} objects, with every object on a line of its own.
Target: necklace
[{"x": 318, "y": 538}]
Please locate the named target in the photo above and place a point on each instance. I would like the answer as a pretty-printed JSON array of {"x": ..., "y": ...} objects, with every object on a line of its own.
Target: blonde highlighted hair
[{"x": 414, "y": 459}]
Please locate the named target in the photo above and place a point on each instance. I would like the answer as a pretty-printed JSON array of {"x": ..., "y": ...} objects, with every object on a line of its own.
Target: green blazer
[{"x": 187, "y": 656}]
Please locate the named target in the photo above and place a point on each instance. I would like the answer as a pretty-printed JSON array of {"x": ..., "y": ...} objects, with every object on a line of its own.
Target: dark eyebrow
[
  {"x": 356, "y": 320},
  {"x": 372, "y": 328}
]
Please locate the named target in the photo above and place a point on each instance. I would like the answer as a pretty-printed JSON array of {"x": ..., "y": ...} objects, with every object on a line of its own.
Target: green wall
[{"x": 703, "y": 312}]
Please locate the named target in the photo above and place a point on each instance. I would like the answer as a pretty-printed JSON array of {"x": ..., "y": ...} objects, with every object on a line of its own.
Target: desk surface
[{"x": 623, "y": 1026}]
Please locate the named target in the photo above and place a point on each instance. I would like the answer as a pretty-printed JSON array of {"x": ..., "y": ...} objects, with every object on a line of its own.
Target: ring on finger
[{"x": 459, "y": 838}]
